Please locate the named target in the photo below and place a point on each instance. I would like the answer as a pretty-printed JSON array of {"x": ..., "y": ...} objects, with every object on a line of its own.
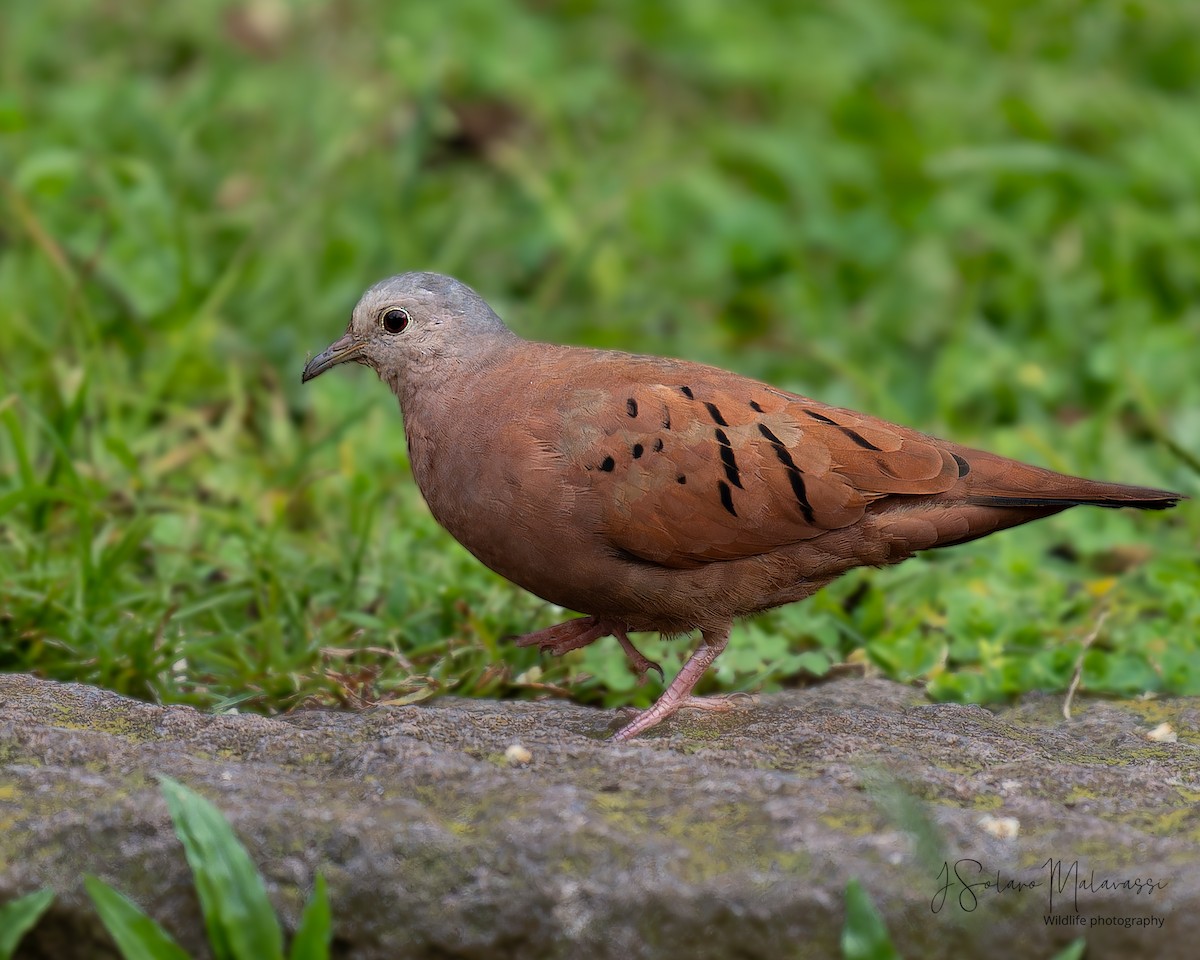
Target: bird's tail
[
  {"x": 996, "y": 481},
  {"x": 994, "y": 493},
  {"x": 1091, "y": 494}
]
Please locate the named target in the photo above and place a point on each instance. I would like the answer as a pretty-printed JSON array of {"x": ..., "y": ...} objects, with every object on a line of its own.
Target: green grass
[{"x": 982, "y": 220}]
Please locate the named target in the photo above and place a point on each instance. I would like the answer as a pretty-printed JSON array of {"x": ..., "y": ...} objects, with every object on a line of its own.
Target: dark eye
[{"x": 395, "y": 320}]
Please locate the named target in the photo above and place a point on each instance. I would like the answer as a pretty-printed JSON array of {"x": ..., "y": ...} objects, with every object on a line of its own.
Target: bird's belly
[
  {"x": 548, "y": 546},
  {"x": 533, "y": 553}
]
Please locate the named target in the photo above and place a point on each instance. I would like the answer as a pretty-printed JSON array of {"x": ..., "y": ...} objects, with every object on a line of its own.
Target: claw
[{"x": 641, "y": 663}]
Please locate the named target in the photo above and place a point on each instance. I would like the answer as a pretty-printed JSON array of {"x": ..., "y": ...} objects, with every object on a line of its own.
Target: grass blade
[
  {"x": 240, "y": 919},
  {"x": 864, "y": 937},
  {"x": 18, "y": 917},
  {"x": 315, "y": 932},
  {"x": 137, "y": 935},
  {"x": 1073, "y": 950}
]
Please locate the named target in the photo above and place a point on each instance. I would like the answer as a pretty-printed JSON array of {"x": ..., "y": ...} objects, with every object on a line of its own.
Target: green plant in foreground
[
  {"x": 18, "y": 918},
  {"x": 865, "y": 935},
  {"x": 241, "y": 924}
]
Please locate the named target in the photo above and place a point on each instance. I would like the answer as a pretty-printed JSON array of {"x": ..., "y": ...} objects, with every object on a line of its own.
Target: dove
[{"x": 655, "y": 494}]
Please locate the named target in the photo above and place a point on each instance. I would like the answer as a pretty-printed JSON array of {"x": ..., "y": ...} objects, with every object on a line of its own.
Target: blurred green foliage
[{"x": 979, "y": 219}]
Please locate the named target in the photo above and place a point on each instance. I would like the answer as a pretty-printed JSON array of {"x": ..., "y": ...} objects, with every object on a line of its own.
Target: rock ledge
[{"x": 714, "y": 836}]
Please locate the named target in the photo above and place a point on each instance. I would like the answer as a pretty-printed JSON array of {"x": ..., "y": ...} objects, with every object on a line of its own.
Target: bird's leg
[
  {"x": 641, "y": 663},
  {"x": 679, "y": 693},
  {"x": 565, "y": 637}
]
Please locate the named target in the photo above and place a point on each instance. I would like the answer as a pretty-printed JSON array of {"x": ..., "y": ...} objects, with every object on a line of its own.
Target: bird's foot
[
  {"x": 679, "y": 694},
  {"x": 718, "y": 702},
  {"x": 574, "y": 634},
  {"x": 713, "y": 703},
  {"x": 565, "y": 637},
  {"x": 641, "y": 663}
]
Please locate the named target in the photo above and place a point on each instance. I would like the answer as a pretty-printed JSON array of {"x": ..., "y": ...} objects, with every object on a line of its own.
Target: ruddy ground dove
[{"x": 663, "y": 495}]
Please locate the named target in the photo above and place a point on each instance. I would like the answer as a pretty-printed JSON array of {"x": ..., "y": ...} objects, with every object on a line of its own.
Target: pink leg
[
  {"x": 565, "y": 637},
  {"x": 679, "y": 693},
  {"x": 641, "y": 663}
]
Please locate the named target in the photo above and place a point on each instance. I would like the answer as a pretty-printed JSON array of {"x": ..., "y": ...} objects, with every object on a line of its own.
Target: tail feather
[
  {"x": 994, "y": 481},
  {"x": 1149, "y": 500},
  {"x": 994, "y": 493}
]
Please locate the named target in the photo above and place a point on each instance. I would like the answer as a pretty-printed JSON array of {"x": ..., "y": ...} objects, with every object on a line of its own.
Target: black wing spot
[
  {"x": 607, "y": 464},
  {"x": 801, "y": 494},
  {"x": 726, "y": 497},
  {"x": 658, "y": 445},
  {"x": 821, "y": 417},
  {"x": 631, "y": 407},
  {"x": 666, "y": 418},
  {"x": 795, "y": 477},
  {"x": 638, "y": 449},
  {"x": 859, "y": 439},
  {"x": 731, "y": 467},
  {"x": 727, "y": 458},
  {"x": 780, "y": 450},
  {"x": 785, "y": 458},
  {"x": 687, "y": 392},
  {"x": 755, "y": 407},
  {"x": 769, "y": 434},
  {"x": 963, "y": 467},
  {"x": 681, "y": 479},
  {"x": 716, "y": 414}
]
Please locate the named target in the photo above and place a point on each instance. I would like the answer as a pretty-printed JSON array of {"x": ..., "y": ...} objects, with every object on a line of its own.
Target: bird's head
[{"x": 410, "y": 321}]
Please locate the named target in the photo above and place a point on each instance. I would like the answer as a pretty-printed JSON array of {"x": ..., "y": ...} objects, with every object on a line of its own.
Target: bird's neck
[
  {"x": 436, "y": 382},
  {"x": 445, "y": 406},
  {"x": 444, "y": 395}
]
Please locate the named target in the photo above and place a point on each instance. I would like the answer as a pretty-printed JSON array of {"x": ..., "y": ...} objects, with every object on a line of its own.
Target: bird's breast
[{"x": 506, "y": 495}]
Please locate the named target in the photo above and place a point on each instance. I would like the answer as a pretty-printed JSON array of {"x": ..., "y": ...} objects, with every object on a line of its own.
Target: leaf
[
  {"x": 240, "y": 919},
  {"x": 18, "y": 917},
  {"x": 1072, "y": 951},
  {"x": 315, "y": 932},
  {"x": 137, "y": 935},
  {"x": 865, "y": 936},
  {"x": 815, "y": 662}
]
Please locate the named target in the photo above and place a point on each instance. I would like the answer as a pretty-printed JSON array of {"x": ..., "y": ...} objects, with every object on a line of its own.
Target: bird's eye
[{"x": 395, "y": 320}]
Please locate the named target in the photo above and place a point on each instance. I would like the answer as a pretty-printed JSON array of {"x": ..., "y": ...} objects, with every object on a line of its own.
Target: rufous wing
[
  {"x": 692, "y": 464},
  {"x": 712, "y": 466}
]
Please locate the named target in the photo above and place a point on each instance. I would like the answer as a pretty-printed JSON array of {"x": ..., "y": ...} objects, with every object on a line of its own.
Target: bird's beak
[{"x": 339, "y": 351}]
